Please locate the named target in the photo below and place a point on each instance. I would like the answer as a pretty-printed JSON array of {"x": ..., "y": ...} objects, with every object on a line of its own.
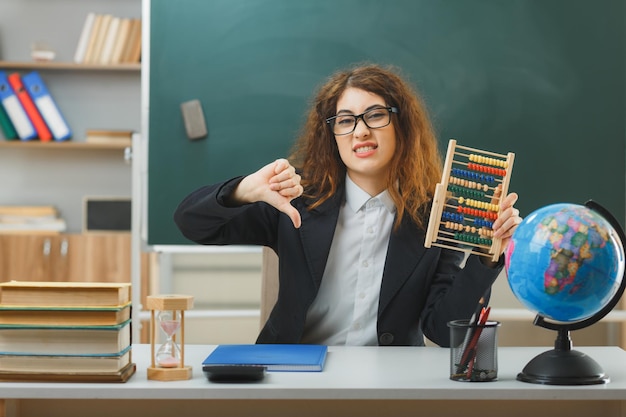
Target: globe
[{"x": 565, "y": 262}]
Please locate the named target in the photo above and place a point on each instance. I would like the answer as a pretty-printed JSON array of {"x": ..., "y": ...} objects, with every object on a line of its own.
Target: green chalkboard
[{"x": 544, "y": 79}]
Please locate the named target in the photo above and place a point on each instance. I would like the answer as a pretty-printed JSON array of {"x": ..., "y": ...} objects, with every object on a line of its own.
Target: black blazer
[{"x": 422, "y": 289}]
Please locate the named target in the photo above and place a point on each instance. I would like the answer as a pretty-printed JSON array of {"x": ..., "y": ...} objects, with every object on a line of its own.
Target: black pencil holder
[{"x": 473, "y": 351}]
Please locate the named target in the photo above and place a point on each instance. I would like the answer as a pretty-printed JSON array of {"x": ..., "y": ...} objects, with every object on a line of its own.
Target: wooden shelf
[
  {"x": 53, "y": 65},
  {"x": 35, "y": 144}
]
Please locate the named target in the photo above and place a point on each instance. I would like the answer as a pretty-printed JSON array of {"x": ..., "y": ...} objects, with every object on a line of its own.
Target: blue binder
[
  {"x": 47, "y": 106},
  {"x": 22, "y": 124},
  {"x": 275, "y": 357}
]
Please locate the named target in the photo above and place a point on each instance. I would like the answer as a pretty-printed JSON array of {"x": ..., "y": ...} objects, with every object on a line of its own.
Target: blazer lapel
[
  {"x": 406, "y": 248},
  {"x": 317, "y": 235}
]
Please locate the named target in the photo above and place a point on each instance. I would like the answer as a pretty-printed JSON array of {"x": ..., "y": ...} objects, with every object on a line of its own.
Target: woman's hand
[
  {"x": 508, "y": 219},
  {"x": 276, "y": 184},
  {"x": 506, "y": 223}
]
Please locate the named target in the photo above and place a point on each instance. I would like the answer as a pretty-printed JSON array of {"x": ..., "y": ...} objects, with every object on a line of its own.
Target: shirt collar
[{"x": 357, "y": 198}]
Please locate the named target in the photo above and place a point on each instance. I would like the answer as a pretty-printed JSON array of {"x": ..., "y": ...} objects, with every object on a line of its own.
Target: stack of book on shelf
[
  {"x": 106, "y": 39},
  {"x": 109, "y": 137},
  {"x": 65, "y": 331},
  {"x": 28, "y": 111},
  {"x": 31, "y": 220}
]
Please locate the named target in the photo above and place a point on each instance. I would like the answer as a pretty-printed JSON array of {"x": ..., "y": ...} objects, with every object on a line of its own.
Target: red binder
[{"x": 29, "y": 106}]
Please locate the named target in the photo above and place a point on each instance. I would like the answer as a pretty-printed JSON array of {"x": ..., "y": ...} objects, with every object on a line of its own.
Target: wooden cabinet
[
  {"x": 107, "y": 257},
  {"x": 98, "y": 257},
  {"x": 28, "y": 257}
]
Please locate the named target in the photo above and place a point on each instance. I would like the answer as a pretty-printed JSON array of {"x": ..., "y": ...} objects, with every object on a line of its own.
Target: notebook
[{"x": 275, "y": 357}]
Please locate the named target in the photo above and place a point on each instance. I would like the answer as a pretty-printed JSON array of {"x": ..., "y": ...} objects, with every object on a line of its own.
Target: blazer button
[{"x": 386, "y": 339}]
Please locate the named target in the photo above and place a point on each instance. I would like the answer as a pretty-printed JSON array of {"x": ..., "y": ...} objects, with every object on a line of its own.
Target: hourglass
[{"x": 168, "y": 362}]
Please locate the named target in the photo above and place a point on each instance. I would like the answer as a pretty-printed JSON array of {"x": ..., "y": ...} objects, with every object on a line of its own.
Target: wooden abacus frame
[{"x": 469, "y": 192}]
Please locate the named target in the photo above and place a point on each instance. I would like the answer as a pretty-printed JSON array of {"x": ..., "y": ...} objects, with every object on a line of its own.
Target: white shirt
[{"x": 345, "y": 311}]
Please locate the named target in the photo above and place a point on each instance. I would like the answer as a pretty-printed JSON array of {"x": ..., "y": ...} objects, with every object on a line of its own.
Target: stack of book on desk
[{"x": 65, "y": 331}]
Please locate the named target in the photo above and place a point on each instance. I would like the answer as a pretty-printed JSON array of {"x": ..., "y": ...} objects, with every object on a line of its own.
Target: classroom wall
[{"x": 63, "y": 178}]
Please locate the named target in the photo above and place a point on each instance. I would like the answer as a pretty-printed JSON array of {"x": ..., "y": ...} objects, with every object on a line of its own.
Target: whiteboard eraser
[{"x": 193, "y": 118}]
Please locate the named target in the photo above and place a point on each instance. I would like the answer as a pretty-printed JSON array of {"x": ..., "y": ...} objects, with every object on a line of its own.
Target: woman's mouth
[{"x": 364, "y": 149}]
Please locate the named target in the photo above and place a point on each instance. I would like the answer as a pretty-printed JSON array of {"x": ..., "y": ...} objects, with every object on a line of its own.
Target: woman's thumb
[{"x": 293, "y": 214}]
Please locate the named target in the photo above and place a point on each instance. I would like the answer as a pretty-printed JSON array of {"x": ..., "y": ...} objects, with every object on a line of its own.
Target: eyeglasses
[{"x": 375, "y": 118}]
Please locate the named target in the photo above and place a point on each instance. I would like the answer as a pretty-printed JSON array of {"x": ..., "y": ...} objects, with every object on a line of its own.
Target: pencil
[{"x": 468, "y": 336}]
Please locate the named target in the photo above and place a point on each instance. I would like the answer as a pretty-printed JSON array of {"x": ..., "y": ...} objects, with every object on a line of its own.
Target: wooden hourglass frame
[{"x": 176, "y": 304}]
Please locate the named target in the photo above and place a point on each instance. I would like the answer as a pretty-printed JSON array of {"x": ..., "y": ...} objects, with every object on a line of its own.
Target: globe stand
[{"x": 562, "y": 365}]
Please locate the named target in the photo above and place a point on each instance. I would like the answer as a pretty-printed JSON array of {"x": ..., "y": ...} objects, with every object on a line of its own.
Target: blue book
[
  {"x": 276, "y": 357},
  {"x": 47, "y": 106},
  {"x": 11, "y": 103}
]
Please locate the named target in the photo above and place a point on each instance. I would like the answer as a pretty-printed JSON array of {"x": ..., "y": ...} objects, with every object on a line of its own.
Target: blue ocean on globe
[{"x": 565, "y": 262}]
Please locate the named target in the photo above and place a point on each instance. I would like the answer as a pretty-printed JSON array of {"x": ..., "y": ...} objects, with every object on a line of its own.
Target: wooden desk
[{"x": 362, "y": 381}]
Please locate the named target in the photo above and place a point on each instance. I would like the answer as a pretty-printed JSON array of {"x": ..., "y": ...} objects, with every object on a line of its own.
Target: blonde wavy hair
[{"x": 416, "y": 165}]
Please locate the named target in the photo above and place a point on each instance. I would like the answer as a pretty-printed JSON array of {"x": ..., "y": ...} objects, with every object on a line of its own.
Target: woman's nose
[{"x": 361, "y": 128}]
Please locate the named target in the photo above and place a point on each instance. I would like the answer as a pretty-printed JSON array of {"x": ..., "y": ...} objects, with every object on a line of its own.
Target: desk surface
[{"x": 388, "y": 373}]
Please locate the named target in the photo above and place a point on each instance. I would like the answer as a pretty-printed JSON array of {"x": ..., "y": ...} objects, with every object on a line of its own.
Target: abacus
[{"x": 465, "y": 205}]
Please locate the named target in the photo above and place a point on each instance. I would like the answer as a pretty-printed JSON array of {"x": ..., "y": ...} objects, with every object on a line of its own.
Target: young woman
[{"x": 346, "y": 215}]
